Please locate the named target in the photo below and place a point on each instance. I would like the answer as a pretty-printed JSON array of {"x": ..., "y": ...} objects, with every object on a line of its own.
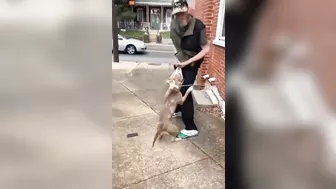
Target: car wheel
[{"x": 130, "y": 49}]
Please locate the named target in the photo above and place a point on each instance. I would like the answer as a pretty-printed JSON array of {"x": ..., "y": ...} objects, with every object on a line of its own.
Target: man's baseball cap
[{"x": 179, "y": 6}]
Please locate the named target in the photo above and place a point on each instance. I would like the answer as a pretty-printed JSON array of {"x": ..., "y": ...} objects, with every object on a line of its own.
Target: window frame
[
  {"x": 138, "y": 14},
  {"x": 219, "y": 39}
]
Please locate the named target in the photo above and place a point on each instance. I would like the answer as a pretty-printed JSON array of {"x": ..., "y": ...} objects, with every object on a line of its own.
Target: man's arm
[
  {"x": 205, "y": 49},
  {"x": 170, "y": 35}
]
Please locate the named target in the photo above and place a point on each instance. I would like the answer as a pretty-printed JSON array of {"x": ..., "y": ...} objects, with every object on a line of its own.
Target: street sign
[{"x": 131, "y": 2}]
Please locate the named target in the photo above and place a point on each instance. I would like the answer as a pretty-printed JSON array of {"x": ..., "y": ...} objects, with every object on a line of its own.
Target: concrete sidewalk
[{"x": 137, "y": 94}]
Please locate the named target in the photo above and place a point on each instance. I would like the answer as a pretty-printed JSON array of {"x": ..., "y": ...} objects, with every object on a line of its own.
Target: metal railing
[
  {"x": 140, "y": 26},
  {"x": 132, "y": 25},
  {"x": 165, "y": 27}
]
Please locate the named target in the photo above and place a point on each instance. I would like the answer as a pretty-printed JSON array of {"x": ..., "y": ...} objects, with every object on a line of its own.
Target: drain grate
[
  {"x": 154, "y": 64},
  {"x": 132, "y": 135}
]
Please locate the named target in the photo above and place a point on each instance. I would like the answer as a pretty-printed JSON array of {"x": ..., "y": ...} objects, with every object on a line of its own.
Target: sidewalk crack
[
  {"x": 139, "y": 98},
  {"x": 206, "y": 154}
]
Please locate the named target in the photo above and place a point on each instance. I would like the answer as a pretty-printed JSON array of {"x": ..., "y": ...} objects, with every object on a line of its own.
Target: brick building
[{"x": 211, "y": 12}]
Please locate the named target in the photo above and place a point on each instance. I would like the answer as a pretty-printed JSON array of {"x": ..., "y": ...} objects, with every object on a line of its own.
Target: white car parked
[{"x": 130, "y": 45}]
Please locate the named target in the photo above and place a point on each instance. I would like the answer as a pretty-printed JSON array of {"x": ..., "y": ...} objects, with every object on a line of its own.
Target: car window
[{"x": 120, "y": 38}]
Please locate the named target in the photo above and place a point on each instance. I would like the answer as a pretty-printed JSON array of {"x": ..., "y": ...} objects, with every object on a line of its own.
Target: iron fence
[
  {"x": 132, "y": 25},
  {"x": 140, "y": 26}
]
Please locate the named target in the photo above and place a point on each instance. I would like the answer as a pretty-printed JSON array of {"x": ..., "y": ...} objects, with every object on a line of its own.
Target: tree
[{"x": 125, "y": 13}]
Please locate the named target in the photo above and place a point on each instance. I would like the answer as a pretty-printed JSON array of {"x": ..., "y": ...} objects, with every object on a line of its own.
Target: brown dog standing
[{"x": 172, "y": 98}]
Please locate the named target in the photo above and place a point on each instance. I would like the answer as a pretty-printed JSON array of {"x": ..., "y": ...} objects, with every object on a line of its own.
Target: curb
[
  {"x": 138, "y": 62},
  {"x": 124, "y": 65},
  {"x": 159, "y": 44},
  {"x": 125, "y": 62},
  {"x": 130, "y": 64},
  {"x": 128, "y": 67}
]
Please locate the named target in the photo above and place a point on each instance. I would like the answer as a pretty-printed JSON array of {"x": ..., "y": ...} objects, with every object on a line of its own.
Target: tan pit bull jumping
[{"x": 172, "y": 98}]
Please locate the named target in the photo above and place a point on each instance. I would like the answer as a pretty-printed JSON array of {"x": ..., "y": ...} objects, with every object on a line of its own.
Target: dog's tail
[{"x": 157, "y": 134}]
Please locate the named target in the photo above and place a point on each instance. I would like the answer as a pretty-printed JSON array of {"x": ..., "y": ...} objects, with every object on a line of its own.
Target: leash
[
  {"x": 189, "y": 85},
  {"x": 192, "y": 85}
]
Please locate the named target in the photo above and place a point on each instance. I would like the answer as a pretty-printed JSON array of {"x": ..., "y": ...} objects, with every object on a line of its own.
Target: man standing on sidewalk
[{"x": 189, "y": 38}]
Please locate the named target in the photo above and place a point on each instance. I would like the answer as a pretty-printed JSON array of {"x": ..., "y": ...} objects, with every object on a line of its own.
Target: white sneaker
[
  {"x": 183, "y": 134},
  {"x": 189, "y": 133},
  {"x": 178, "y": 114}
]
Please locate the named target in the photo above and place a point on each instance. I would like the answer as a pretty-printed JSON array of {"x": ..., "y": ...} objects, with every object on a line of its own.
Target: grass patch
[
  {"x": 165, "y": 34},
  {"x": 133, "y": 34}
]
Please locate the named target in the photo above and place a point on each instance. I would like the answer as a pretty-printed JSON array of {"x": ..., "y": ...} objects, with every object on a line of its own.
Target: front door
[
  {"x": 155, "y": 18},
  {"x": 168, "y": 17}
]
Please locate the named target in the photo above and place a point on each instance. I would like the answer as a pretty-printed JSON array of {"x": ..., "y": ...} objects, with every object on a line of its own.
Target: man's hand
[{"x": 181, "y": 64}]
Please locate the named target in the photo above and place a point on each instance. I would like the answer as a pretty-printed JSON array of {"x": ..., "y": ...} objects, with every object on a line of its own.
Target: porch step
[
  {"x": 152, "y": 36},
  {"x": 202, "y": 98},
  {"x": 206, "y": 102}
]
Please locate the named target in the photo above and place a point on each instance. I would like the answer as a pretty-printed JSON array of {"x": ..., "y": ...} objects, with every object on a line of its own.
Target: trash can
[
  {"x": 158, "y": 37},
  {"x": 146, "y": 36}
]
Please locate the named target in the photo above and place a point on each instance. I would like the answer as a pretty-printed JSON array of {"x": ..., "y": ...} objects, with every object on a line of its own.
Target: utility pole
[{"x": 115, "y": 33}]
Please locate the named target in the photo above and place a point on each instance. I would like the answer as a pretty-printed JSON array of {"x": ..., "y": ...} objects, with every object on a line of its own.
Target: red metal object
[{"x": 131, "y": 2}]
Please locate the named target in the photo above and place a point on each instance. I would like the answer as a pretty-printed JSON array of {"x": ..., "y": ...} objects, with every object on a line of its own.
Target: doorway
[
  {"x": 155, "y": 18},
  {"x": 168, "y": 17}
]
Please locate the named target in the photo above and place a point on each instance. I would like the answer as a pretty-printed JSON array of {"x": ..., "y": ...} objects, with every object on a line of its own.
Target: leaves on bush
[{"x": 124, "y": 13}]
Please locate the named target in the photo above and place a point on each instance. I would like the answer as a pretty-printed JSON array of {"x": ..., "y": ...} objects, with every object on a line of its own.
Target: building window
[
  {"x": 220, "y": 33},
  {"x": 140, "y": 14},
  {"x": 168, "y": 16}
]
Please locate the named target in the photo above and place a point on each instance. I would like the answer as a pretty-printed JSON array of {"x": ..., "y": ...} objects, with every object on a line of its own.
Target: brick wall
[{"x": 207, "y": 11}]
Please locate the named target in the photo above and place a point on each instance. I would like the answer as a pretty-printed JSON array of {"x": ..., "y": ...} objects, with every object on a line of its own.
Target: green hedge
[{"x": 139, "y": 34}]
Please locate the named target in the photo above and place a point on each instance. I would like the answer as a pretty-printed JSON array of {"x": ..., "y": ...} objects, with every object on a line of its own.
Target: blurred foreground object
[
  {"x": 289, "y": 131},
  {"x": 55, "y": 88}
]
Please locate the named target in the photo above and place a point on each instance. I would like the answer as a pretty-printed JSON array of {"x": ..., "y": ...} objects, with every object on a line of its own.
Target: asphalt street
[{"x": 154, "y": 54}]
